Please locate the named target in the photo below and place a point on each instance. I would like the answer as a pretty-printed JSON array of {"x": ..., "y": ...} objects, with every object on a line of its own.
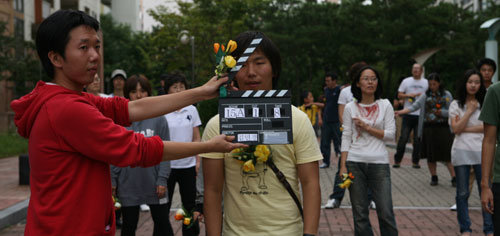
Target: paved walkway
[{"x": 420, "y": 209}]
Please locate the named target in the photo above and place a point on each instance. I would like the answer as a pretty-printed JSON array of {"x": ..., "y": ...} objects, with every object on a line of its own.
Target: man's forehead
[
  {"x": 84, "y": 33},
  {"x": 486, "y": 66}
]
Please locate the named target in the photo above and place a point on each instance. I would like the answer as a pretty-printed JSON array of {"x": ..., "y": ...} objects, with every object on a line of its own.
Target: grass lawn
[{"x": 11, "y": 144}]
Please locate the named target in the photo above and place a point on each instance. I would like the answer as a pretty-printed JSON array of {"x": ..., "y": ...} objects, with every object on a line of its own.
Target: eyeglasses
[{"x": 370, "y": 79}]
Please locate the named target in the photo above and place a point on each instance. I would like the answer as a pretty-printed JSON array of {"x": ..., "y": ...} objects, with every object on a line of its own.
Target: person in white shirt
[
  {"x": 466, "y": 150},
  {"x": 183, "y": 125},
  {"x": 409, "y": 90},
  {"x": 368, "y": 123}
]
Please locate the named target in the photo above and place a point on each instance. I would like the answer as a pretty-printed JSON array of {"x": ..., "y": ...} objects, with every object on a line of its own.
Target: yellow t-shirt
[
  {"x": 311, "y": 112},
  {"x": 256, "y": 203}
]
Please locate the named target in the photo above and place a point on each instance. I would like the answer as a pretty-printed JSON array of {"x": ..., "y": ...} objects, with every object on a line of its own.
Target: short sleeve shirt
[
  {"x": 331, "y": 109},
  {"x": 345, "y": 96},
  {"x": 466, "y": 148},
  {"x": 256, "y": 203},
  {"x": 411, "y": 85},
  {"x": 181, "y": 124},
  {"x": 490, "y": 114}
]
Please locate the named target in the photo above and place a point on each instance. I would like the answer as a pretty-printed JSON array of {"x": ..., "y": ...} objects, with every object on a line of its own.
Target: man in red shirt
[{"x": 74, "y": 136}]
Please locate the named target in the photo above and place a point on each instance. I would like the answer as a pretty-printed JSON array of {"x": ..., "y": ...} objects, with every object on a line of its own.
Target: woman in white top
[
  {"x": 368, "y": 123},
  {"x": 183, "y": 125},
  {"x": 466, "y": 150}
]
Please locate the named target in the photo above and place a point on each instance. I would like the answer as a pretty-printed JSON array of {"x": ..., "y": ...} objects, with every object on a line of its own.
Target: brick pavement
[{"x": 420, "y": 209}]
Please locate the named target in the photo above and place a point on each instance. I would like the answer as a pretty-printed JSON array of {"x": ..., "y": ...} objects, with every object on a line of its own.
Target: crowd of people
[{"x": 87, "y": 148}]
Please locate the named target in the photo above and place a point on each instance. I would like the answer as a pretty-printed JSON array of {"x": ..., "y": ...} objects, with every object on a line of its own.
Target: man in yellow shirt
[{"x": 255, "y": 202}]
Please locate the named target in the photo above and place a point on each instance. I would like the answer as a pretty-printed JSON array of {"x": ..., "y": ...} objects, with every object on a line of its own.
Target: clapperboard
[{"x": 257, "y": 117}]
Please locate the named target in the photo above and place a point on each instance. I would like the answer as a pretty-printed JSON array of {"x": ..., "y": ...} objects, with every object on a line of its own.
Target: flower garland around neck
[{"x": 250, "y": 156}]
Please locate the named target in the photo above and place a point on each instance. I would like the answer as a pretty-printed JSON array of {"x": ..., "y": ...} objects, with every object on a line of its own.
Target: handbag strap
[{"x": 281, "y": 177}]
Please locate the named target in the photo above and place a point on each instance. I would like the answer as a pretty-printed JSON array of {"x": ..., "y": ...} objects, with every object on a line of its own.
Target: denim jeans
[
  {"x": 329, "y": 132},
  {"x": 338, "y": 192},
  {"x": 462, "y": 174},
  {"x": 377, "y": 178},
  {"x": 410, "y": 122}
]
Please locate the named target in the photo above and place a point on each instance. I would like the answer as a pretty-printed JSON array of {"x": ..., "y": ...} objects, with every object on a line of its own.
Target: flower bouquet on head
[
  {"x": 346, "y": 180},
  {"x": 250, "y": 156},
  {"x": 185, "y": 216}
]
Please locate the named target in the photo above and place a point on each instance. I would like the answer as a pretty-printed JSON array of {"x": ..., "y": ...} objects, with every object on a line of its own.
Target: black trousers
[
  {"x": 159, "y": 213},
  {"x": 187, "y": 188}
]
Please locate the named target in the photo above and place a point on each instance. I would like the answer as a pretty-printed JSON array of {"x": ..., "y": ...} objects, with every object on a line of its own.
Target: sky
[{"x": 149, "y": 22}]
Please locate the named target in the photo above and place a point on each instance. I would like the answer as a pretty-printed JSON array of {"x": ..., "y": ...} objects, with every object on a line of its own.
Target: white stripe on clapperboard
[
  {"x": 281, "y": 93},
  {"x": 270, "y": 93},
  {"x": 259, "y": 92},
  {"x": 247, "y": 93}
]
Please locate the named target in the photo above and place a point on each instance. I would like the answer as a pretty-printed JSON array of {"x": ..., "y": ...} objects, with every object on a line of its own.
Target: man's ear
[{"x": 56, "y": 59}]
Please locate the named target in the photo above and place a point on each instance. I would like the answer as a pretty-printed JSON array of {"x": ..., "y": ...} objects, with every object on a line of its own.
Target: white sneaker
[
  {"x": 453, "y": 208},
  {"x": 144, "y": 207},
  {"x": 332, "y": 203},
  {"x": 372, "y": 205}
]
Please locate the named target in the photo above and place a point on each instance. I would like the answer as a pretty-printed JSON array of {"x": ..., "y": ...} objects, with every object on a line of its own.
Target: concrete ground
[{"x": 420, "y": 209}]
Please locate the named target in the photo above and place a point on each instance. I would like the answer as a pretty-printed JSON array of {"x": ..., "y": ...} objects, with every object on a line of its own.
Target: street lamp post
[{"x": 185, "y": 38}]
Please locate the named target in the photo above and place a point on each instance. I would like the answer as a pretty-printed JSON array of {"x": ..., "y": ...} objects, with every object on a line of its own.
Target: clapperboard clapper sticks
[{"x": 256, "y": 117}]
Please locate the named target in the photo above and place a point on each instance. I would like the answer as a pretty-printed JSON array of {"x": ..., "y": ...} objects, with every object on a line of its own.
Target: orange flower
[
  {"x": 351, "y": 176},
  {"x": 179, "y": 215},
  {"x": 216, "y": 47},
  {"x": 438, "y": 106},
  {"x": 223, "y": 48}
]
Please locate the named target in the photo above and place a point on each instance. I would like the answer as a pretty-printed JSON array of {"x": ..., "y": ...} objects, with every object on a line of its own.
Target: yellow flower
[
  {"x": 264, "y": 149},
  {"x": 231, "y": 46},
  {"x": 187, "y": 221},
  {"x": 230, "y": 62},
  {"x": 236, "y": 151},
  {"x": 216, "y": 47},
  {"x": 248, "y": 166},
  {"x": 345, "y": 184},
  {"x": 261, "y": 157}
]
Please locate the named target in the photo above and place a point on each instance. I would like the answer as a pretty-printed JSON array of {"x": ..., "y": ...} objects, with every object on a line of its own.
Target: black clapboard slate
[{"x": 257, "y": 117}]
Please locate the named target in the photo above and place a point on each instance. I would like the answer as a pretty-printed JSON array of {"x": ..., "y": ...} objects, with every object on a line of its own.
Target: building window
[{"x": 18, "y": 5}]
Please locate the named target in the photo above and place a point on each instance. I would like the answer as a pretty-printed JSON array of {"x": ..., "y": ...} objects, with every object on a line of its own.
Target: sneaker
[
  {"x": 144, "y": 207},
  {"x": 332, "y": 203},
  {"x": 372, "y": 205},
  {"x": 434, "y": 180},
  {"x": 454, "y": 182},
  {"x": 416, "y": 166},
  {"x": 453, "y": 208},
  {"x": 322, "y": 166},
  {"x": 396, "y": 165}
]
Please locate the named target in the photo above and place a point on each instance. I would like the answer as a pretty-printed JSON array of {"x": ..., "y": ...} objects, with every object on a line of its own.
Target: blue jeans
[
  {"x": 462, "y": 174},
  {"x": 410, "y": 122},
  {"x": 377, "y": 178},
  {"x": 329, "y": 132}
]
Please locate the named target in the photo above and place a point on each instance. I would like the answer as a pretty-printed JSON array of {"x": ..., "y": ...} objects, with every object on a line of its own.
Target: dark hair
[
  {"x": 331, "y": 74},
  {"x": 173, "y": 78},
  {"x": 131, "y": 85},
  {"x": 434, "y": 76},
  {"x": 487, "y": 61},
  {"x": 304, "y": 95},
  {"x": 356, "y": 91},
  {"x": 462, "y": 88},
  {"x": 266, "y": 46},
  {"x": 53, "y": 34},
  {"x": 353, "y": 71}
]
